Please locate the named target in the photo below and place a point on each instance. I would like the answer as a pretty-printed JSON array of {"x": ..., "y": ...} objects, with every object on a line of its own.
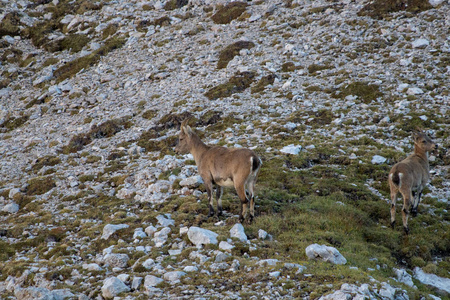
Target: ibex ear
[{"x": 188, "y": 130}]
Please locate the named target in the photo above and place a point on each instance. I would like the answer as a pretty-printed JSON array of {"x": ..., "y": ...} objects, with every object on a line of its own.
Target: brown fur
[
  {"x": 410, "y": 176},
  {"x": 222, "y": 166}
]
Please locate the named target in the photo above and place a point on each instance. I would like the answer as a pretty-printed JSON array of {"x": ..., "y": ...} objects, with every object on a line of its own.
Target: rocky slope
[{"x": 326, "y": 92}]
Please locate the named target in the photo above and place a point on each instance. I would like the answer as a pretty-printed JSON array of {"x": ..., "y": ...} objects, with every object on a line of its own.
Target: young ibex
[
  {"x": 222, "y": 166},
  {"x": 410, "y": 176}
]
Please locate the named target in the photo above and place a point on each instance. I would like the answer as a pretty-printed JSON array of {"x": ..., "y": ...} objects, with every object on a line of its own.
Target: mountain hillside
[{"x": 95, "y": 203}]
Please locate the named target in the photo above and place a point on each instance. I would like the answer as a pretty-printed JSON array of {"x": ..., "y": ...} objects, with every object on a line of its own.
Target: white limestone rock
[
  {"x": 160, "y": 237},
  {"x": 152, "y": 281},
  {"x": 113, "y": 286},
  {"x": 150, "y": 230},
  {"x": 440, "y": 283},
  {"x": 404, "y": 277},
  {"x": 268, "y": 262},
  {"x": 420, "y": 43},
  {"x": 165, "y": 220},
  {"x": 148, "y": 264},
  {"x": 92, "y": 267},
  {"x": 325, "y": 253},
  {"x": 139, "y": 233},
  {"x": 136, "y": 283},
  {"x": 11, "y": 208},
  {"x": 192, "y": 182},
  {"x": 174, "y": 276},
  {"x": 378, "y": 159},
  {"x": 435, "y": 3},
  {"x": 291, "y": 149},
  {"x": 199, "y": 236},
  {"x": 117, "y": 260},
  {"x": 237, "y": 231},
  {"x": 189, "y": 269},
  {"x": 387, "y": 291},
  {"x": 414, "y": 91},
  {"x": 225, "y": 246},
  {"x": 110, "y": 229}
]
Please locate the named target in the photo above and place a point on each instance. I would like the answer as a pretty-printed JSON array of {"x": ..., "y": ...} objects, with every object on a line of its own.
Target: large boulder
[
  {"x": 199, "y": 236},
  {"x": 325, "y": 253},
  {"x": 113, "y": 286}
]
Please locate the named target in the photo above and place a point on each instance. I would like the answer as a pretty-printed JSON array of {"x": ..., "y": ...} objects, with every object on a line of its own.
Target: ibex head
[
  {"x": 184, "y": 145},
  {"x": 423, "y": 141}
]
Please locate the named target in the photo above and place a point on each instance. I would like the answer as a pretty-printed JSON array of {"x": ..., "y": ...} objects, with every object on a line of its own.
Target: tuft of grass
[
  {"x": 174, "y": 4},
  {"x": 288, "y": 67},
  {"x": 165, "y": 146},
  {"x": 45, "y": 161},
  {"x": 262, "y": 83},
  {"x": 236, "y": 84},
  {"x": 227, "y": 54},
  {"x": 169, "y": 121},
  {"x": 163, "y": 21},
  {"x": 73, "y": 67},
  {"x": 50, "y": 61},
  {"x": 7, "y": 251},
  {"x": 365, "y": 91},
  {"x": 109, "y": 31},
  {"x": 380, "y": 9},
  {"x": 104, "y": 130},
  {"x": 4, "y": 83},
  {"x": 314, "y": 68},
  {"x": 40, "y": 185},
  {"x": 13, "y": 123},
  {"x": 229, "y": 12},
  {"x": 10, "y": 24},
  {"x": 72, "y": 42}
]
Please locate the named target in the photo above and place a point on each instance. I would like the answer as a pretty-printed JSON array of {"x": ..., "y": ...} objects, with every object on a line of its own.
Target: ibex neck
[
  {"x": 421, "y": 153},
  {"x": 198, "y": 148}
]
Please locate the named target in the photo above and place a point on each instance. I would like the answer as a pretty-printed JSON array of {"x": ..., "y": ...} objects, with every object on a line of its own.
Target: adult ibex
[
  {"x": 410, "y": 176},
  {"x": 222, "y": 166}
]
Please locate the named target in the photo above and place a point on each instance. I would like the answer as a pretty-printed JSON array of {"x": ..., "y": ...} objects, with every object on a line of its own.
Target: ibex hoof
[
  {"x": 393, "y": 225},
  {"x": 211, "y": 211},
  {"x": 250, "y": 219},
  {"x": 406, "y": 229},
  {"x": 414, "y": 212}
]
